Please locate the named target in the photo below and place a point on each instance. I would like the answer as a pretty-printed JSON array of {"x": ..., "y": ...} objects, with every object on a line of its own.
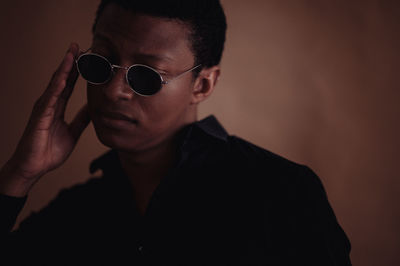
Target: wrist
[{"x": 14, "y": 184}]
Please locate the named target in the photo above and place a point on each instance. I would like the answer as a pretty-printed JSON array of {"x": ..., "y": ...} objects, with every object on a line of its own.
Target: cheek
[{"x": 169, "y": 103}]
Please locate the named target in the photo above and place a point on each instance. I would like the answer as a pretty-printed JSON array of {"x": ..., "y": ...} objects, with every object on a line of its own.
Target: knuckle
[
  {"x": 62, "y": 83},
  {"x": 59, "y": 81}
]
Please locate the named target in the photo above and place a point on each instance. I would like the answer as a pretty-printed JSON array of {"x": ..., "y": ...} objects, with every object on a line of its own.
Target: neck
[{"x": 146, "y": 168}]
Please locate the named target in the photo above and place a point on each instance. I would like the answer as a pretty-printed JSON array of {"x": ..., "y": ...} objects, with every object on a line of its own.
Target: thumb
[{"x": 80, "y": 122}]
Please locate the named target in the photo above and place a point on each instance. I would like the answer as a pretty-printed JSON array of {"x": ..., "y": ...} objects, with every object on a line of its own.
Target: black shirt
[{"x": 226, "y": 201}]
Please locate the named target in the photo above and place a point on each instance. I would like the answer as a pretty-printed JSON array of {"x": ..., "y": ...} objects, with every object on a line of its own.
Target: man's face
[{"x": 126, "y": 39}]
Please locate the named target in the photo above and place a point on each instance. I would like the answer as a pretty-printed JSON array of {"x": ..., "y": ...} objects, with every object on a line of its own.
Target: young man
[{"x": 174, "y": 190}]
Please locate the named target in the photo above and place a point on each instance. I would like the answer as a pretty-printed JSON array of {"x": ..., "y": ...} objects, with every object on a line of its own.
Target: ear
[{"x": 205, "y": 83}]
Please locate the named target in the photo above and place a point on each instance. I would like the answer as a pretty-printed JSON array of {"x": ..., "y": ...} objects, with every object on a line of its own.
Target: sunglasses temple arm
[{"x": 181, "y": 74}]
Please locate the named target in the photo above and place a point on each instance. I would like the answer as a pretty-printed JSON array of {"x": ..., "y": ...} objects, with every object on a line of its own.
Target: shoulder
[
  {"x": 296, "y": 210},
  {"x": 273, "y": 178},
  {"x": 265, "y": 162},
  {"x": 249, "y": 150},
  {"x": 243, "y": 160}
]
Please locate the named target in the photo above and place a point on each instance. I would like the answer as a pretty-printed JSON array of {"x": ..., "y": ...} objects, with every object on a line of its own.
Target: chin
[{"x": 117, "y": 140}]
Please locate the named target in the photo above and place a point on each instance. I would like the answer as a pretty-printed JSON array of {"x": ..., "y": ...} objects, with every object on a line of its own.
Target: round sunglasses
[{"x": 143, "y": 80}]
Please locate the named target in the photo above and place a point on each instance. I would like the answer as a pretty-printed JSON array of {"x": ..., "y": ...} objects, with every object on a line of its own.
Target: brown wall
[{"x": 314, "y": 81}]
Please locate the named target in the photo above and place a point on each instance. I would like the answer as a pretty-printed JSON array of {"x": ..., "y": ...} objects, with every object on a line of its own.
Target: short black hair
[{"x": 205, "y": 18}]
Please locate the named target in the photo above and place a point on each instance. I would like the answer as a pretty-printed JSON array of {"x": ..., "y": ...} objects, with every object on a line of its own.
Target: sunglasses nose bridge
[
  {"x": 123, "y": 68},
  {"x": 117, "y": 88},
  {"x": 118, "y": 67}
]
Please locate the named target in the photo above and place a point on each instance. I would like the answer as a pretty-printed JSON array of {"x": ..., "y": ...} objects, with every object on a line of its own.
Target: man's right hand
[{"x": 47, "y": 140}]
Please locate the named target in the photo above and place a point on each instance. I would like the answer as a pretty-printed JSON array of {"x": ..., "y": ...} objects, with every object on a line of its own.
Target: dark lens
[
  {"x": 94, "y": 68},
  {"x": 144, "y": 80}
]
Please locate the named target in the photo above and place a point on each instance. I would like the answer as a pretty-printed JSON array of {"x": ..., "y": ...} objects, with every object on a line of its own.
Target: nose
[{"x": 117, "y": 88}]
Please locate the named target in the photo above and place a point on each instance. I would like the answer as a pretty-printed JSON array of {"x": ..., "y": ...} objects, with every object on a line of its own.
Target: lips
[
  {"x": 117, "y": 116},
  {"x": 116, "y": 119}
]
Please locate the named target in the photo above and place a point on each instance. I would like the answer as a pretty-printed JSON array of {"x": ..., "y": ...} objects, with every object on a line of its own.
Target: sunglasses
[{"x": 143, "y": 80}]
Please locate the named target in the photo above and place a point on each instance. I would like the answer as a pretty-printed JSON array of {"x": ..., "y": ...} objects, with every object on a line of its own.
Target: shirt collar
[
  {"x": 211, "y": 127},
  {"x": 194, "y": 137}
]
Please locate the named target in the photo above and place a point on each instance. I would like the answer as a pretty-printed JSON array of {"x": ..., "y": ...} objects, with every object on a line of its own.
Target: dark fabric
[
  {"x": 226, "y": 202},
  {"x": 10, "y": 208}
]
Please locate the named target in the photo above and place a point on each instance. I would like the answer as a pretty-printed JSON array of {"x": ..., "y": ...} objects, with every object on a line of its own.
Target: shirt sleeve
[
  {"x": 10, "y": 207},
  {"x": 36, "y": 233},
  {"x": 322, "y": 240}
]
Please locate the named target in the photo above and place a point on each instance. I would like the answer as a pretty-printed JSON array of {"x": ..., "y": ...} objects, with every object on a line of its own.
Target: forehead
[{"x": 129, "y": 32}]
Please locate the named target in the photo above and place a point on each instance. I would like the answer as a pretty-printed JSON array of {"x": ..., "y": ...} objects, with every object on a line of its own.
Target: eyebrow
[{"x": 149, "y": 56}]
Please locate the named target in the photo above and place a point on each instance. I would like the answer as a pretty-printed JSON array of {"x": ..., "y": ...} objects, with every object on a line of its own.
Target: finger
[
  {"x": 73, "y": 75},
  {"x": 69, "y": 87},
  {"x": 79, "y": 123},
  {"x": 59, "y": 79},
  {"x": 66, "y": 94},
  {"x": 45, "y": 107},
  {"x": 46, "y": 104},
  {"x": 62, "y": 72}
]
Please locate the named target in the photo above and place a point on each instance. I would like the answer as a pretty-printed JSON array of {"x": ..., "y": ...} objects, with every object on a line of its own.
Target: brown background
[{"x": 314, "y": 81}]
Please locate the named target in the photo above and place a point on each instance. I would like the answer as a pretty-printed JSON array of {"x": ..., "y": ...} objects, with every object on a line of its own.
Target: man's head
[
  {"x": 169, "y": 36},
  {"x": 204, "y": 18}
]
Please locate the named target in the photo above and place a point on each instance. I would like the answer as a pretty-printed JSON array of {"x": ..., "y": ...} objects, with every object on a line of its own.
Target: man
[{"x": 174, "y": 190}]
